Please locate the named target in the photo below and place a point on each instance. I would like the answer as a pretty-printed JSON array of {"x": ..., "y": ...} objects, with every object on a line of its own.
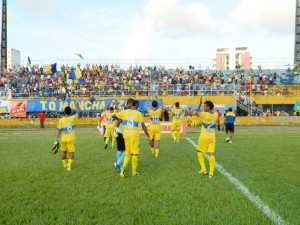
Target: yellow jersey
[
  {"x": 176, "y": 114},
  {"x": 155, "y": 117},
  {"x": 66, "y": 125},
  {"x": 110, "y": 121},
  {"x": 130, "y": 123},
  {"x": 209, "y": 121}
]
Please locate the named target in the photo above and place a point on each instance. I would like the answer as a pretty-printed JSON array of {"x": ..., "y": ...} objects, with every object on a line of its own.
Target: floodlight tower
[
  {"x": 4, "y": 36},
  {"x": 297, "y": 34}
]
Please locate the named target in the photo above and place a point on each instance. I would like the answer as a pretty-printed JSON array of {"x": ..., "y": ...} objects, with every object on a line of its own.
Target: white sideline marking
[{"x": 254, "y": 199}]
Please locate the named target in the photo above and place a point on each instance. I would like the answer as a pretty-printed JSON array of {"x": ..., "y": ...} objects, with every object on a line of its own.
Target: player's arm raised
[
  {"x": 77, "y": 108},
  {"x": 148, "y": 105},
  {"x": 199, "y": 106}
]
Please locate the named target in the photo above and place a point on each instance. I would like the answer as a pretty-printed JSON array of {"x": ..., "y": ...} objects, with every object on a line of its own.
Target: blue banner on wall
[
  {"x": 297, "y": 106},
  {"x": 85, "y": 105}
]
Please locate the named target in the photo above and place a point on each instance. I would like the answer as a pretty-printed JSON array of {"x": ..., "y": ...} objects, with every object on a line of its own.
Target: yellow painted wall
[{"x": 275, "y": 99}]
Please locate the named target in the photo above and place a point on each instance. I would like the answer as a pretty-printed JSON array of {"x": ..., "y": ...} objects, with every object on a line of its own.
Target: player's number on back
[
  {"x": 69, "y": 127},
  {"x": 177, "y": 115},
  {"x": 211, "y": 126},
  {"x": 155, "y": 119},
  {"x": 130, "y": 122},
  {"x": 110, "y": 120}
]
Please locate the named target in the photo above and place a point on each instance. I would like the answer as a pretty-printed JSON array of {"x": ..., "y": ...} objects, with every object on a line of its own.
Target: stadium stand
[{"x": 112, "y": 80}]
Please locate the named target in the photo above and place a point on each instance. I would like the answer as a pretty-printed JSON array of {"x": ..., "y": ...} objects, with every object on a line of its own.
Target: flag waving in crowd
[
  {"x": 76, "y": 75},
  {"x": 51, "y": 69},
  {"x": 79, "y": 55}
]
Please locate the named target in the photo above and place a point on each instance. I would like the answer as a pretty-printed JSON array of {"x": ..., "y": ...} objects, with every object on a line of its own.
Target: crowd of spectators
[{"x": 114, "y": 80}]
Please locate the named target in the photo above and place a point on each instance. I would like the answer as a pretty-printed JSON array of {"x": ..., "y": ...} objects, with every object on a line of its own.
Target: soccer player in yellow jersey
[
  {"x": 207, "y": 138},
  {"x": 155, "y": 114},
  {"x": 189, "y": 115},
  {"x": 110, "y": 127},
  {"x": 130, "y": 119},
  {"x": 65, "y": 130},
  {"x": 176, "y": 115},
  {"x": 195, "y": 119}
]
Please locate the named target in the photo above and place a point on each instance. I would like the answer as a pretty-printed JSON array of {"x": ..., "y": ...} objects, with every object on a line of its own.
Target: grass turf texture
[{"x": 36, "y": 189}]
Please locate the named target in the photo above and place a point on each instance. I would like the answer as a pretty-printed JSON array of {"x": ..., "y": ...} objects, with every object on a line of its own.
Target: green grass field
[{"x": 36, "y": 189}]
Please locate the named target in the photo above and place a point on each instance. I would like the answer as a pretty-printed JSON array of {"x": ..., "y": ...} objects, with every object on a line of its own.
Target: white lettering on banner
[{"x": 166, "y": 128}]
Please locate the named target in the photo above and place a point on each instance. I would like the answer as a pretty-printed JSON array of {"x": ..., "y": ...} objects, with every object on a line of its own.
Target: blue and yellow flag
[
  {"x": 51, "y": 69},
  {"x": 29, "y": 62},
  {"x": 79, "y": 55}
]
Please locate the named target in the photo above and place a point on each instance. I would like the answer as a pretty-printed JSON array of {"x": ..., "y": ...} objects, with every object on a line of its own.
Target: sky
[{"x": 157, "y": 30}]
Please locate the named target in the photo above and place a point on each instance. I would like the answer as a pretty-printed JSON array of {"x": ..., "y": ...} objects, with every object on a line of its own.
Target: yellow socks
[
  {"x": 134, "y": 164},
  {"x": 201, "y": 162},
  {"x": 152, "y": 151},
  {"x": 126, "y": 160},
  {"x": 173, "y": 135},
  {"x": 212, "y": 162},
  {"x": 156, "y": 152},
  {"x": 113, "y": 142},
  {"x": 178, "y": 137},
  {"x": 64, "y": 162},
  {"x": 69, "y": 166},
  {"x": 107, "y": 140}
]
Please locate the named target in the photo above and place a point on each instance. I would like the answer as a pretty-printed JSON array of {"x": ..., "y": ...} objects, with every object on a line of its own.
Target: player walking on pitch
[
  {"x": 155, "y": 113},
  {"x": 176, "y": 115},
  {"x": 65, "y": 130},
  {"x": 130, "y": 119},
  {"x": 229, "y": 125},
  {"x": 207, "y": 138}
]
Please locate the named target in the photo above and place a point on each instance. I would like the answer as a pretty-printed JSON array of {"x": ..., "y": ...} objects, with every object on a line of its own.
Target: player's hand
[
  {"x": 116, "y": 133},
  {"x": 149, "y": 141}
]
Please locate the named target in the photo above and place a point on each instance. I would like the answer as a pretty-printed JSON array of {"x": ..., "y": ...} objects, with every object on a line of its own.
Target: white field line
[{"x": 254, "y": 199}]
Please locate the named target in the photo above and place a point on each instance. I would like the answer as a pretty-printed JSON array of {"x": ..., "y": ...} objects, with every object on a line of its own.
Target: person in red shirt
[
  {"x": 42, "y": 119},
  {"x": 219, "y": 116}
]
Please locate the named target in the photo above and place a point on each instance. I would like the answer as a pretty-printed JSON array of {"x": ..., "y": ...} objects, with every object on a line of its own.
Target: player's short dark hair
[
  {"x": 136, "y": 103},
  {"x": 130, "y": 101},
  {"x": 230, "y": 109},
  {"x": 111, "y": 108},
  {"x": 210, "y": 104},
  {"x": 68, "y": 110},
  {"x": 177, "y": 104},
  {"x": 154, "y": 104}
]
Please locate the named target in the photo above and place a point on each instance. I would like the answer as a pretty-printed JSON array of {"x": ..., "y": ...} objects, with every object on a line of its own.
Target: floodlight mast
[
  {"x": 297, "y": 34},
  {"x": 4, "y": 36}
]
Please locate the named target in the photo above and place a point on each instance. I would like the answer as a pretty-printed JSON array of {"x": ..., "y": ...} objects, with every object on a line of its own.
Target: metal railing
[{"x": 159, "y": 89}]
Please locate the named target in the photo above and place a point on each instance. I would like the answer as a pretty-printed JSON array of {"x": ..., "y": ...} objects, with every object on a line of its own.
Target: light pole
[{"x": 4, "y": 36}]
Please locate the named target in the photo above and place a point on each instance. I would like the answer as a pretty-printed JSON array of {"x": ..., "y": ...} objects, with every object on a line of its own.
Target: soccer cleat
[
  {"x": 202, "y": 172},
  {"x": 122, "y": 173},
  {"x": 210, "y": 176},
  {"x": 174, "y": 140},
  {"x": 230, "y": 142},
  {"x": 105, "y": 147},
  {"x": 69, "y": 167},
  {"x": 115, "y": 165},
  {"x": 227, "y": 139},
  {"x": 135, "y": 174}
]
